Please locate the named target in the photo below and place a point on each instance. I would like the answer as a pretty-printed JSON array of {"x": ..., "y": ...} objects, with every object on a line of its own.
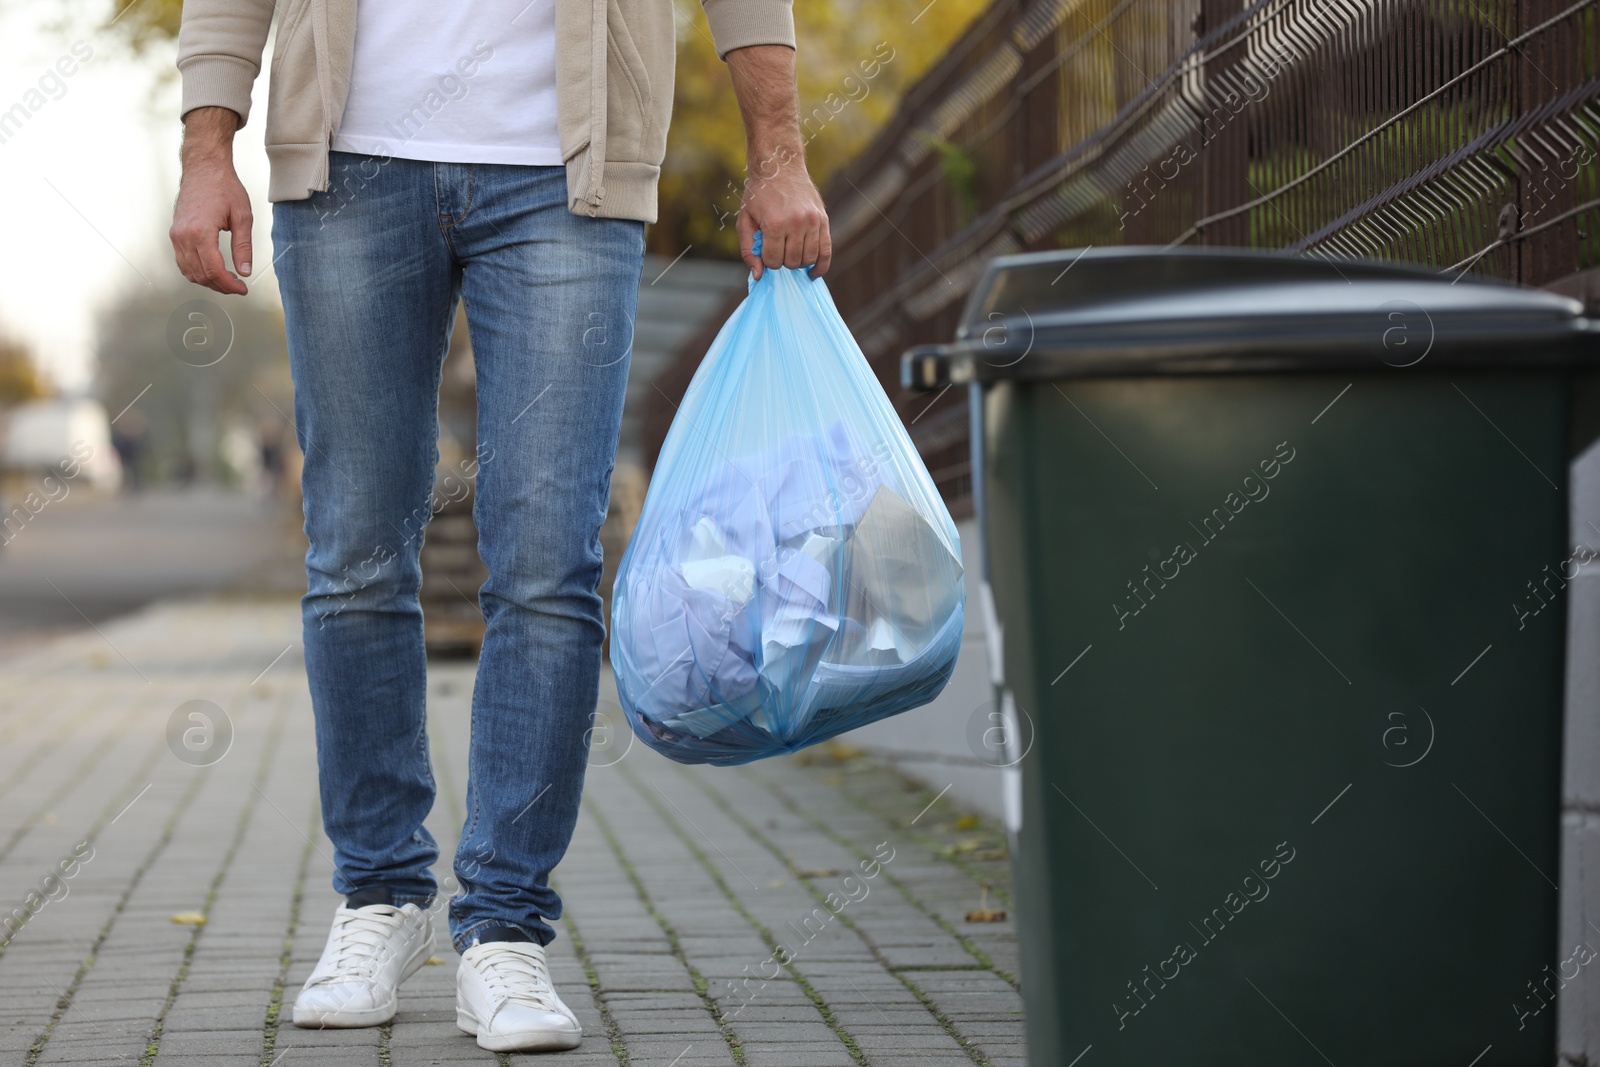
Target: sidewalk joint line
[
  {"x": 247, "y": 812},
  {"x": 875, "y": 1007},
  {"x": 77, "y": 776},
  {"x": 702, "y": 833},
  {"x": 27, "y": 764},
  {"x": 273, "y": 1017},
  {"x": 591, "y": 975},
  {"x": 911, "y": 898},
  {"x": 702, "y": 988},
  {"x": 824, "y": 1009},
  {"x": 109, "y": 1043},
  {"x": 43, "y": 1039},
  {"x": 944, "y": 1021}
]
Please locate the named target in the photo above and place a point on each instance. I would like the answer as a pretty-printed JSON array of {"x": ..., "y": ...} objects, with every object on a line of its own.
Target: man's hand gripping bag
[{"x": 794, "y": 573}]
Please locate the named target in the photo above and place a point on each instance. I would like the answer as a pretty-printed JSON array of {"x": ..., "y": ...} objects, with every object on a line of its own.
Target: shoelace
[
  {"x": 360, "y": 943},
  {"x": 512, "y": 975}
]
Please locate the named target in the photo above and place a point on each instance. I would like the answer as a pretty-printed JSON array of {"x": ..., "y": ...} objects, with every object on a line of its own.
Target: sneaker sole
[
  {"x": 346, "y": 1020},
  {"x": 355, "y": 1020},
  {"x": 524, "y": 1041}
]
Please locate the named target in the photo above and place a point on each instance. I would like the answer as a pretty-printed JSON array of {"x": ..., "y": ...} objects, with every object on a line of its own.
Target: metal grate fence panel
[{"x": 1461, "y": 134}]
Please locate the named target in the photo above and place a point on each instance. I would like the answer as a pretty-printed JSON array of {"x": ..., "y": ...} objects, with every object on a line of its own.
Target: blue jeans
[{"x": 370, "y": 271}]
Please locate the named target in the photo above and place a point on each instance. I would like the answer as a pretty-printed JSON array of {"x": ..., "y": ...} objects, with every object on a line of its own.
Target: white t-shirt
[{"x": 454, "y": 83}]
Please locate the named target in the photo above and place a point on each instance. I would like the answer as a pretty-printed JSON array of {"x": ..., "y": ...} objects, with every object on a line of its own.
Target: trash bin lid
[{"x": 1136, "y": 311}]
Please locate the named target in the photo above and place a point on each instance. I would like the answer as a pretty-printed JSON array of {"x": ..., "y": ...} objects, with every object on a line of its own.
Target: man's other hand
[{"x": 211, "y": 199}]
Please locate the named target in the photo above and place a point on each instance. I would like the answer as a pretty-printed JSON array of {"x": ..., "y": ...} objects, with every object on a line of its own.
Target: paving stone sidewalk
[{"x": 680, "y": 884}]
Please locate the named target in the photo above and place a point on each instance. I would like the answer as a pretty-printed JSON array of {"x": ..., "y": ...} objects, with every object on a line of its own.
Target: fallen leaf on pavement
[{"x": 983, "y": 913}]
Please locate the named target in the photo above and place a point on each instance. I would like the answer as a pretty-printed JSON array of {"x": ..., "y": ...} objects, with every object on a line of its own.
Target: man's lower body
[{"x": 371, "y": 271}]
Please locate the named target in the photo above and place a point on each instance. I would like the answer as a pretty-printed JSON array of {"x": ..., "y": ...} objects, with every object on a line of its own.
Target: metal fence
[{"x": 1461, "y": 134}]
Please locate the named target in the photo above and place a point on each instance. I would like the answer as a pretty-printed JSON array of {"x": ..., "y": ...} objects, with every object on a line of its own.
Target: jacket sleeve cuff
[
  {"x": 218, "y": 80},
  {"x": 741, "y": 23}
]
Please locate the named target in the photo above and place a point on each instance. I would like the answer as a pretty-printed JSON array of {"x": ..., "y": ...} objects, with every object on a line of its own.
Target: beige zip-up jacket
[{"x": 614, "y": 59}]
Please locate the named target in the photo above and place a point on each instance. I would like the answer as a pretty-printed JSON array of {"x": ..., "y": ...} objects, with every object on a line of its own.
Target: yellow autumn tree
[
  {"x": 20, "y": 377},
  {"x": 143, "y": 21},
  {"x": 855, "y": 61}
]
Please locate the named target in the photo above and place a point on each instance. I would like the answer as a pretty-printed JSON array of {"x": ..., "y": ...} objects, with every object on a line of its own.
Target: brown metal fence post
[{"x": 1224, "y": 152}]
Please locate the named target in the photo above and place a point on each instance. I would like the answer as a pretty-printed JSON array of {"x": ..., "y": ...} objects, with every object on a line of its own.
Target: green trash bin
[{"x": 1275, "y": 551}]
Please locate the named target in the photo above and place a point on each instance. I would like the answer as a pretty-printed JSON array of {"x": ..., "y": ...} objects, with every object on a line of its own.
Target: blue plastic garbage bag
[{"x": 794, "y": 573}]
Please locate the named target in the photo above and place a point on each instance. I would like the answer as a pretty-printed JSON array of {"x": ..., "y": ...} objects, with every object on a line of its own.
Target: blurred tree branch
[
  {"x": 21, "y": 379},
  {"x": 146, "y": 21}
]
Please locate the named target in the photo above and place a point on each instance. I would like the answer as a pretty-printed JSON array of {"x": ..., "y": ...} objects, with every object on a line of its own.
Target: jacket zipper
[
  {"x": 597, "y": 104},
  {"x": 319, "y": 25}
]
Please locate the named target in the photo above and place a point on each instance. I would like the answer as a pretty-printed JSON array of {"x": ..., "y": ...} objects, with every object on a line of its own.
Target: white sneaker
[
  {"x": 370, "y": 951},
  {"x": 504, "y": 996}
]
